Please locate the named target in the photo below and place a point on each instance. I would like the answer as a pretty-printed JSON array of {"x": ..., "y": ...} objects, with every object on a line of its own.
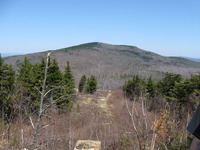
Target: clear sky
[{"x": 166, "y": 27}]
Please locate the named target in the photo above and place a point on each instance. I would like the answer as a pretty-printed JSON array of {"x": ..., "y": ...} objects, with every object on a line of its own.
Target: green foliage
[
  {"x": 82, "y": 83},
  {"x": 68, "y": 80},
  {"x": 195, "y": 81},
  {"x": 54, "y": 77},
  {"x": 38, "y": 71},
  {"x": 181, "y": 94},
  {"x": 67, "y": 88},
  {"x": 29, "y": 79},
  {"x": 182, "y": 90},
  {"x": 91, "y": 85},
  {"x": 172, "y": 86},
  {"x": 167, "y": 84},
  {"x": 151, "y": 88},
  {"x": 135, "y": 87},
  {"x": 25, "y": 75},
  {"x": 24, "y": 95},
  {"x": 57, "y": 85},
  {"x": 54, "y": 80},
  {"x": 7, "y": 77}
]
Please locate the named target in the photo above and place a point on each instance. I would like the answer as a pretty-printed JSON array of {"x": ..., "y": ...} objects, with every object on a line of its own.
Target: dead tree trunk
[{"x": 42, "y": 95}]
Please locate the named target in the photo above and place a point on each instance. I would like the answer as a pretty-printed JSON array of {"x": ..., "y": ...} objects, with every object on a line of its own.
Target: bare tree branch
[
  {"x": 41, "y": 101},
  {"x": 31, "y": 122}
]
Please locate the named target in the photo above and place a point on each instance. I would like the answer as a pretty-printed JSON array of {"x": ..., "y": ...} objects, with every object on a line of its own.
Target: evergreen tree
[
  {"x": 151, "y": 88},
  {"x": 54, "y": 80},
  {"x": 139, "y": 86},
  {"x": 7, "y": 77},
  {"x": 195, "y": 83},
  {"x": 68, "y": 87},
  {"x": 82, "y": 83},
  {"x": 27, "y": 81},
  {"x": 25, "y": 75},
  {"x": 167, "y": 84},
  {"x": 181, "y": 91},
  {"x": 68, "y": 78},
  {"x": 128, "y": 88},
  {"x": 38, "y": 71},
  {"x": 54, "y": 77},
  {"x": 37, "y": 80},
  {"x": 91, "y": 85},
  {"x": 135, "y": 87}
]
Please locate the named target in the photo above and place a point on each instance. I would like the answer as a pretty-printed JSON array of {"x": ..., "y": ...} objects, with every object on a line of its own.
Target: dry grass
[{"x": 103, "y": 116}]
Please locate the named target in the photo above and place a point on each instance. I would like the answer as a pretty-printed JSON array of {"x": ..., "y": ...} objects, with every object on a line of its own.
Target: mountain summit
[{"x": 112, "y": 64}]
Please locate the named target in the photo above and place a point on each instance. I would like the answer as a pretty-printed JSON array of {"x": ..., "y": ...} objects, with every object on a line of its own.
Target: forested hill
[{"x": 112, "y": 64}]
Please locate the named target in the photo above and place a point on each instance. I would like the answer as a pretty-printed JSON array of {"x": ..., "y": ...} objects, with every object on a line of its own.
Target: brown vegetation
[{"x": 129, "y": 125}]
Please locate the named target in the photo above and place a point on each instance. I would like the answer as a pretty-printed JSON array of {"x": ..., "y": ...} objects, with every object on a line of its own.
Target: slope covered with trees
[{"x": 111, "y": 63}]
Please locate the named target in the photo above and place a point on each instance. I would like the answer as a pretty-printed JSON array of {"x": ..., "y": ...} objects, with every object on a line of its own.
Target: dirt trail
[
  {"x": 99, "y": 99},
  {"x": 103, "y": 104}
]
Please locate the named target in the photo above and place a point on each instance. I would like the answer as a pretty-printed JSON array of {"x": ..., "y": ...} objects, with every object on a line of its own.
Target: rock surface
[{"x": 87, "y": 145}]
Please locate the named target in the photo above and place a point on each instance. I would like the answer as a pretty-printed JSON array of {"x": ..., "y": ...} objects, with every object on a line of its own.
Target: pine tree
[
  {"x": 91, "y": 85},
  {"x": 151, "y": 88},
  {"x": 135, "y": 87},
  {"x": 167, "y": 84},
  {"x": 54, "y": 80},
  {"x": 82, "y": 83},
  {"x": 28, "y": 83},
  {"x": 25, "y": 75},
  {"x": 68, "y": 80},
  {"x": 68, "y": 87},
  {"x": 38, "y": 71},
  {"x": 195, "y": 83},
  {"x": 54, "y": 77},
  {"x": 181, "y": 91},
  {"x": 139, "y": 86},
  {"x": 7, "y": 77}
]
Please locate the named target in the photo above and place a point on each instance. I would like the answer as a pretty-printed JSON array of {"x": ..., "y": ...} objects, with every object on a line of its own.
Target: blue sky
[{"x": 166, "y": 27}]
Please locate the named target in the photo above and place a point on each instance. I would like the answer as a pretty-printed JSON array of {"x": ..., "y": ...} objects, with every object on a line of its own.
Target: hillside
[
  {"x": 193, "y": 59},
  {"x": 111, "y": 63}
]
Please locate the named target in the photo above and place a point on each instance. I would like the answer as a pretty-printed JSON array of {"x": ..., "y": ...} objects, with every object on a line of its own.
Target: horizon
[
  {"x": 15, "y": 54},
  {"x": 168, "y": 28}
]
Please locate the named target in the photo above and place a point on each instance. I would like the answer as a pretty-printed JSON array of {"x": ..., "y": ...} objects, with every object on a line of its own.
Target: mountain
[
  {"x": 9, "y": 54},
  {"x": 193, "y": 59},
  {"x": 112, "y": 64}
]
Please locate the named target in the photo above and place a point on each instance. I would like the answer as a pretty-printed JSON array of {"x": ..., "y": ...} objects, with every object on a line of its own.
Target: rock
[{"x": 87, "y": 145}]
